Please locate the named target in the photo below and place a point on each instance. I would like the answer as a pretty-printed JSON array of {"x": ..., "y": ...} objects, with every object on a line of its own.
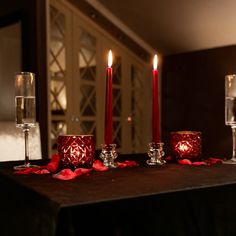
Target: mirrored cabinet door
[
  {"x": 85, "y": 78},
  {"x": 138, "y": 112},
  {"x": 78, "y": 51},
  {"x": 57, "y": 73}
]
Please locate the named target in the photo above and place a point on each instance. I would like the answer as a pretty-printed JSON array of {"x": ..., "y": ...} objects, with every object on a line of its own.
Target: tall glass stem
[
  {"x": 234, "y": 143},
  {"x": 25, "y": 110},
  {"x": 26, "y": 133}
]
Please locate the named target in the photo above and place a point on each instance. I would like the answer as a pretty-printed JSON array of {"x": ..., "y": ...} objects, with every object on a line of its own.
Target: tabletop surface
[{"x": 126, "y": 183}]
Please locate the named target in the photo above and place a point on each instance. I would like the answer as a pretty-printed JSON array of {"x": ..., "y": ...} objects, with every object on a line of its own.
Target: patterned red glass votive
[
  {"x": 76, "y": 151},
  {"x": 186, "y": 144}
]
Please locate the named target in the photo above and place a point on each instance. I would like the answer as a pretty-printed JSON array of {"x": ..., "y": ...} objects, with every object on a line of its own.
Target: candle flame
[
  {"x": 109, "y": 58},
  {"x": 155, "y": 62}
]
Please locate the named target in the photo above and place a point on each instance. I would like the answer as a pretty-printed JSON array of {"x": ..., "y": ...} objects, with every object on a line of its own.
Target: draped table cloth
[{"x": 168, "y": 200}]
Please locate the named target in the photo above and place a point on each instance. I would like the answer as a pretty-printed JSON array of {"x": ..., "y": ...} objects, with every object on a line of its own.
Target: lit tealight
[{"x": 186, "y": 144}]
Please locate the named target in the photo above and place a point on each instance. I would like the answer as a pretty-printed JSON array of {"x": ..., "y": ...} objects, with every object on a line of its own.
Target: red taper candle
[
  {"x": 155, "y": 103},
  {"x": 108, "y": 105}
]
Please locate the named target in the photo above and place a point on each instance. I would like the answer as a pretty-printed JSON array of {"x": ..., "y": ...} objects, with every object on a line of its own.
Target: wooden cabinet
[{"x": 77, "y": 59}]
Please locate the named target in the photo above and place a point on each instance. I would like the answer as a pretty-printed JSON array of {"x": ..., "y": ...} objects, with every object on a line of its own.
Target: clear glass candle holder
[
  {"x": 156, "y": 154},
  {"x": 108, "y": 155}
]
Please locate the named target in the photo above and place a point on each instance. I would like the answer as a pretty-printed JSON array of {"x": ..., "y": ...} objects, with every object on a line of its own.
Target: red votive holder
[
  {"x": 76, "y": 151},
  {"x": 186, "y": 145}
]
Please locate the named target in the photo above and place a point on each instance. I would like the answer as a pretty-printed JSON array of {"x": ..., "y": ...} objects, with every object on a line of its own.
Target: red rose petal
[
  {"x": 215, "y": 160},
  {"x": 82, "y": 171},
  {"x": 27, "y": 171},
  {"x": 99, "y": 166},
  {"x": 199, "y": 163},
  {"x": 185, "y": 162},
  {"x": 41, "y": 172},
  {"x": 65, "y": 174},
  {"x": 168, "y": 158},
  {"x": 121, "y": 164},
  {"x": 127, "y": 163},
  {"x": 54, "y": 163}
]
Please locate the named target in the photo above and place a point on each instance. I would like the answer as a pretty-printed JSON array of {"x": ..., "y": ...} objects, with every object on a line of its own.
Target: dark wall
[
  {"x": 193, "y": 97},
  {"x": 32, "y": 15}
]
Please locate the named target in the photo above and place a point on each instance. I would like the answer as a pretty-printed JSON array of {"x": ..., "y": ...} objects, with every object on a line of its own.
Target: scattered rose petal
[
  {"x": 82, "y": 171},
  {"x": 199, "y": 163},
  {"x": 127, "y": 163},
  {"x": 121, "y": 164},
  {"x": 99, "y": 166},
  {"x": 26, "y": 171},
  {"x": 168, "y": 158},
  {"x": 54, "y": 163},
  {"x": 215, "y": 160},
  {"x": 185, "y": 162},
  {"x": 65, "y": 174},
  {"x": 41, "y": 172},
  {"x": 209, "y": 161}
]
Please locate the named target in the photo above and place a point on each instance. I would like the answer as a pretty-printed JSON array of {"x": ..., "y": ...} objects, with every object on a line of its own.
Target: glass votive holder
[
  {"x": 76, "y": 151},
  {"x": 186, "y": 145}
]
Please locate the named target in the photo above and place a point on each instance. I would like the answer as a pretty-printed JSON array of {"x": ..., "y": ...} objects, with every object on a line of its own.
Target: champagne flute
[
  {"x": 230, "y": 111},
  {"x": 25, "y": 109}
]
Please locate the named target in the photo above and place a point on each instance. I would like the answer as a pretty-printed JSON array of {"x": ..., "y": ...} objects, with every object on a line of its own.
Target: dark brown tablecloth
[{"x": 168, "y": 200}]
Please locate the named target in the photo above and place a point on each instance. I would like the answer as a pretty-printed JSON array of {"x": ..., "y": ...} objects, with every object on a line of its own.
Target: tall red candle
[
  {"x": 155, "y": 103},
  {"x": 108, "y": 105}
]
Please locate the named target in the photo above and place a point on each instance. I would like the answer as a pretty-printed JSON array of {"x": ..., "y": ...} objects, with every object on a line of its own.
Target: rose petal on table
[
  {"x": 185, "y": 162},
  {"x": 41, "y": 171},
  {"x": 65, "y": 174},
  {"x": 82, "y": 171},
  {"x": 121, "y": 165},
  {"x": 99, "y": 166},
  {"x": 199, "y": 163},
  {"x": 214, "y": 160},
  {"x": 26, "y": 171},
  {"x": 52, "y": 166},
  {"x": 168, "y": 158},
  {"x": 127, "y": 163}
]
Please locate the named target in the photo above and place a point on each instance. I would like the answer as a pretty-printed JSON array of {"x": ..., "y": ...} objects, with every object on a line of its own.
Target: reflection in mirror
[
  {"x": 77, "y": 61},
  {"x": 57, "y": 70},
  {"x": 10, "y": 63},
  {"x": 136, "y": 119},
  {"x": 88, "y": 73},
  {"x": 58, "y": 97},
  {"x": 57, "y": 62},
  {"x": 117, "y": 102}
]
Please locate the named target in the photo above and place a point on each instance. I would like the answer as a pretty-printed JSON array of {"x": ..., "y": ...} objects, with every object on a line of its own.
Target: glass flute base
[
  {"x": 108, "y": 155},
  {"x": 231, "y": 161},
  {"x": 24, "y": 166},
  {"x": 156, "y": 153}
]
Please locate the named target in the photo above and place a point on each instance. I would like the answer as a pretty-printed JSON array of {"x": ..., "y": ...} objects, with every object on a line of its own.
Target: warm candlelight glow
[
  {"x": 155, "y": 62},
  {"x": 183, "y": 146},
  {"x": 186, "y": 144},
  {"x": 76, "y": 150},
  {"x": 109, "y": 58}
]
